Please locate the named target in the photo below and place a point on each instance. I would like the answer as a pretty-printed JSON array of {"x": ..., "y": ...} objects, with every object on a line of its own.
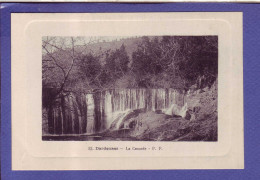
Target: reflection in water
[{"x": 87, "y": 138}]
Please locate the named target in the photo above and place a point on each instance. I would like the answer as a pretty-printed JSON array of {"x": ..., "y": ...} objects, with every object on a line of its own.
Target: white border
[{"x": 30, "y": 152}]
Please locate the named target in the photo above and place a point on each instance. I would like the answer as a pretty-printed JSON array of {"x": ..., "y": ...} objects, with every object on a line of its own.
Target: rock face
[
  {"x": 187, "y": 115},
  {"x": 176, "y": 129},
  {"x": 204, "y": 103}
]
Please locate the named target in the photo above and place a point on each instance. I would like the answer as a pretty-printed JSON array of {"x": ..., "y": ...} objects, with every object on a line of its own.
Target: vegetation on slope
[{"x": 147, "y": 62}]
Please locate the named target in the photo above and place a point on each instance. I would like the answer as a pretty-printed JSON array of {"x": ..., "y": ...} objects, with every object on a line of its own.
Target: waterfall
[
  {"x": 177, "y": 110},
  {"x": 90, "y": 113},
  {"x": 67, "y": 115},
  {"x": 122, "y": 118},
  {"x": 95, "y": 112},
  {"x": 117, "y": 103}
]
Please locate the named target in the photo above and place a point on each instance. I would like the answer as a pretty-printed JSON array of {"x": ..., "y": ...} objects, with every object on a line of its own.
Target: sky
[
  {"x": 65, "y": 42},
  {"x": 86, "y": 40}
]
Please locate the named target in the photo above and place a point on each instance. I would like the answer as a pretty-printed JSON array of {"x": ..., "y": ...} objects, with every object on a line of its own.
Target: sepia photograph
[{"x": 130, "y": 88}]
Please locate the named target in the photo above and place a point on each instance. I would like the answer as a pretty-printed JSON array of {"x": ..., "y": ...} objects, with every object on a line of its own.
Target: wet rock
[
  {"x": 126, "y": 118},
  {"x": 187, "y": 115},
  {"x": 176, "y": 116},
  {"x": 201, "y": 91},
  {"x": 196, "y": 109},
  {"x": 158, "y": 111},
  {"x": 192, "y": 118},
  {"x": 184, "y": 130}
]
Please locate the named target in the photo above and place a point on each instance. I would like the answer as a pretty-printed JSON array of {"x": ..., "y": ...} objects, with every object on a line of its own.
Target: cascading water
[
  {"x": 102, "y": 108},
  {"x": 118, "y": 103},
  {"x": 90, "y": 113},
  {"x": 67, "y": 115}
]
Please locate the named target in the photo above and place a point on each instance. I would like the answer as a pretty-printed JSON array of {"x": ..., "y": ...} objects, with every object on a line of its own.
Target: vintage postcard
[{"x": 127, "y": 91}]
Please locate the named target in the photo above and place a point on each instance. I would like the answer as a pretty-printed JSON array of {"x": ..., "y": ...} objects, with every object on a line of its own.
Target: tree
[
  {"x": 117, "y": 62},
  {"x": 91, "y": 68},
  {"x": 175, "y": 60},
  {"x": 59, "y": 70}
]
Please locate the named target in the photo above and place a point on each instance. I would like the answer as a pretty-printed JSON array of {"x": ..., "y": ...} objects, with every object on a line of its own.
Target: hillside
[{"x": 100, "y": 48}]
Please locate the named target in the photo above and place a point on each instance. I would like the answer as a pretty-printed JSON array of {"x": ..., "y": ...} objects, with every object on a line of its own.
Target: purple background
[{"x": 251, "y": 40}]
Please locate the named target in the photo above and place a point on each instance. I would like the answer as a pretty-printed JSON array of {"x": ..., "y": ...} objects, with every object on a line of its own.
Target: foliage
[
  {"x": 90, "y": 67},
  {"x": 156, "y": 62},
  {"x": 117, "y": 62},
  {"x": 175, "y": 58}
]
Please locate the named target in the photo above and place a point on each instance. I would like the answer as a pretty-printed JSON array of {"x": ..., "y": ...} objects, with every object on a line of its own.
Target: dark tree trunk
[
  {"x": 70, "y": 117},
  {"x": 50, "y": 119},
  {"x": 76, "y": 118},
  {"x": 97, "y": 109},
  {"x": 58, "y": 122},
  {"x": 64, "y": 115},
  {"x": 84, "y": 112},
  {"x": 148, "y": 102}
]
